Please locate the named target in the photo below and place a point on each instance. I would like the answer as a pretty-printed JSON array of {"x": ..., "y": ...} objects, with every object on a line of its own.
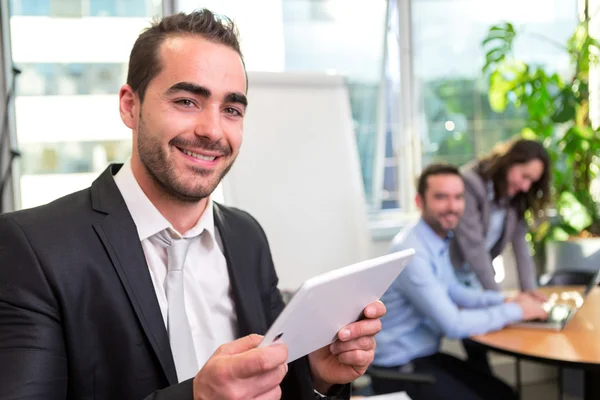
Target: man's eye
[
  {"x": 185, "y": 102},
  {"x": 233, "y": 111}
]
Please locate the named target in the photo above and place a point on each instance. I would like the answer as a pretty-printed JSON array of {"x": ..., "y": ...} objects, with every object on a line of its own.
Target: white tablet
[{"x": 326, "y": 303}]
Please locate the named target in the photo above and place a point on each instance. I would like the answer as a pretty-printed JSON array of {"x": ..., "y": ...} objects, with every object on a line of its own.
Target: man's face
[
  {"x": 187, "y": 132},
  {"x": 444, "y": 202}
]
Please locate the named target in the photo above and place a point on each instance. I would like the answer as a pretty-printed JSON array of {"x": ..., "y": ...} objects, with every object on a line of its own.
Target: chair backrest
[
  {"x": 397, "y": 375},
  {"x": 560, "y": 278}
]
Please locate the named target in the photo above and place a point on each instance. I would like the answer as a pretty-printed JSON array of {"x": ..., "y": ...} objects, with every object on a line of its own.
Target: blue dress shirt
[{"x": 426, "y": 302}]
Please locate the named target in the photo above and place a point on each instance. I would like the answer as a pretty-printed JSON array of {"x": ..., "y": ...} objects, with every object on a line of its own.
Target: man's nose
[
  {"x": 454, "y": 205},
  {"x": 209, "y": 124}
]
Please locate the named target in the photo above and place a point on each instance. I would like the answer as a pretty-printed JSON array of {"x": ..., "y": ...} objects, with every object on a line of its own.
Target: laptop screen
[
  {"x": 593, "y": 283},
  {"x": 565, "y": 313}
]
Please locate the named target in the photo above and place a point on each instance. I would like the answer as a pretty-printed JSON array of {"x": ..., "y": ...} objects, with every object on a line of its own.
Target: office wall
[{"x": 298, "y": 173}]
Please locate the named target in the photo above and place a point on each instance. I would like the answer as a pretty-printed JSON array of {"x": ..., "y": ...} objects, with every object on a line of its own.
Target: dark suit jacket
[{"x": 79, "y": 318}]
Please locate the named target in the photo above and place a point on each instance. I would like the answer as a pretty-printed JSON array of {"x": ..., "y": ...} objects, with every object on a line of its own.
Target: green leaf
[
  {"x": 507, "y": 78},
  {"x": 585, "y": 132},
  {"x": 576, "y": 140},
  {"x": 566, "y": 106},
  {"x": 498, "y": 92},
  {"x": 573, "y": 212},
  {"x": 499, "y": 39},
  {"x": 542, "y": 231},
  {"x": 558, "y": 233},
  {"x": 528, "y": 133}
]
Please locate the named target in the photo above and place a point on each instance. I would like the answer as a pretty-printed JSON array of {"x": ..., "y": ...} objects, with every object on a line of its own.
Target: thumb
[{"x": 240, "y": 345}]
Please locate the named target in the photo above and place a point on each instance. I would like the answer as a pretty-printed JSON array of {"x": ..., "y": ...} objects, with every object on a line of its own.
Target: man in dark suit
[{"x": 98, "y": 299}]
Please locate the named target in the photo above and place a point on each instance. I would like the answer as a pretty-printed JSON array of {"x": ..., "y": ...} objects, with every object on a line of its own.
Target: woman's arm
[
  {"x": 470, "y": 238},
  {"x": 525, "y": 265}
]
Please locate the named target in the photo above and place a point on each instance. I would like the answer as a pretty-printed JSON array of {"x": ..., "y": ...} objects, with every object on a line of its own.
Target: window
[
  {"x": 81, "y": 8},
  {"x": 328, "y": 39},
  {"x": 416, "y": 89},
  {"x": 345, "y": 36},
  {"x": 457, "y": 121},
  {"x": 412, "y": 67},
  {"x": 54, "y": 79},
  {"x": 68, "y": 126}
]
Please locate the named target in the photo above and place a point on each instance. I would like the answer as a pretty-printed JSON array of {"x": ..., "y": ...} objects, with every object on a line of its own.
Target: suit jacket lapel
[
  {"x": 119, "y": 235},
  {"x": 250, "y": 314}
]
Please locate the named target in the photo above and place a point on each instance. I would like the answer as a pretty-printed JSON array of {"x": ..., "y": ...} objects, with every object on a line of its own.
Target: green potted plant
[{"x": 557, "y": 113}]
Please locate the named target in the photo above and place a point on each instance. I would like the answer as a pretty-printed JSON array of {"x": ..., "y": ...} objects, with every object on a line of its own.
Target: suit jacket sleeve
[
  {"x": 525, "y": 266},
  {"x": 33, "y": 361},
  {"x": 471, "y": 241},
  {"x": 33, "y": 358},
  {"x": 181, "y": 391}
]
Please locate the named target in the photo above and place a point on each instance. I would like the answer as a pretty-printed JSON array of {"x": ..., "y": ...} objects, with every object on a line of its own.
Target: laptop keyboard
[{"x": 560, "y": 305}]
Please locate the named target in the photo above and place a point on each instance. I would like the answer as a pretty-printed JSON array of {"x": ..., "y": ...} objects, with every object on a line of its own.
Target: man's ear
[
  {"x": 129, "y": 106},
  {"x": 419, "y": 201}
]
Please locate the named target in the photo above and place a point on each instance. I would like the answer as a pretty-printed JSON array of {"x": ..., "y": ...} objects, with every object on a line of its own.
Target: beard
[
  {"x": 436, "y": 225},
  {"x": 156, "y": 161}
]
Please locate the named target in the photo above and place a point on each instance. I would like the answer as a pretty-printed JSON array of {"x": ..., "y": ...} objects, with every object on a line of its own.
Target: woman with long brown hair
[{"x": 499, "y": 188}]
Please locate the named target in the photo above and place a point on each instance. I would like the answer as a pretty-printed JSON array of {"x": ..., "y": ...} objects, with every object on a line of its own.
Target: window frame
[{"x": 11, "y": 197}]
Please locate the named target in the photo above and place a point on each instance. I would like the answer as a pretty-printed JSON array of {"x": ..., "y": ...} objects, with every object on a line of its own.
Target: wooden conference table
[{"x": 577, "y": 346}]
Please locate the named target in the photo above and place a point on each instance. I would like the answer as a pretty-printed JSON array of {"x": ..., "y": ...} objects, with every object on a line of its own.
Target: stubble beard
[{"x": 163, "y": 173}]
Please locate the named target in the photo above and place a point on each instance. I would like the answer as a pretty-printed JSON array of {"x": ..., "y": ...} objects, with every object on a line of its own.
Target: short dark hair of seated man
[{"x": 426, "y": 303}]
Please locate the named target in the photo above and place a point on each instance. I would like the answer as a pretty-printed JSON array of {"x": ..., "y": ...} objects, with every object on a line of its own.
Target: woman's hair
[{"x": 495, "y": 167}]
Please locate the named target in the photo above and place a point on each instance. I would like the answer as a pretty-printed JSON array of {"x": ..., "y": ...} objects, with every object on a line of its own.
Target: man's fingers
[
  {"x": 356, "y": 358},
  {"x": 374, "y": 310},
  {"x": 365, "y": 327},
  {"x": 363, "y": 343},
  {"x": 267, "y": 382},
  {"x": 259, "y": 360},
  {"x": 240, "y": 345},
  {"x": 273, "y": 394}
]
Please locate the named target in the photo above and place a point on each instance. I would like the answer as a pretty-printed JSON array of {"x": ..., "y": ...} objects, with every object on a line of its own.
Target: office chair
[
  {"x": 376, "y": 373},
  {"x": 564, "y": 278}
]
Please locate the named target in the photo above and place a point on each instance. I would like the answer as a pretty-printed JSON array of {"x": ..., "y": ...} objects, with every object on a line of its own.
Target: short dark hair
[
  {"x": 495, "y": 166},
  {"x": 144, "y": 61},
  {"x": 435, "y": 169}
]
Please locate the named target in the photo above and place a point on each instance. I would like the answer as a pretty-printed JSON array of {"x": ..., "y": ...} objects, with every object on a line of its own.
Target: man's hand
[
  {"x": 532, "y": 294},
  {"x": 238, "y": 370},
  {"x": 537, "y": 295},
  {"x": 349, "y": 356},
  {"x": 532, "y": 309}
]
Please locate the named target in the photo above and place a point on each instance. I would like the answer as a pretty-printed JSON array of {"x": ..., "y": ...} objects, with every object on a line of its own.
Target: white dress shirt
[{"x": 207, "y": 289}]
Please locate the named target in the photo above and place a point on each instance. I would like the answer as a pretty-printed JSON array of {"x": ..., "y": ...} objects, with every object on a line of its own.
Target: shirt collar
[
  {"x": 148, "y": 220},
  {"x": 432, "y": 241}
]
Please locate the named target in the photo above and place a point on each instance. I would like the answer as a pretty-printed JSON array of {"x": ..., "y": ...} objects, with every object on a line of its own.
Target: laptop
[{"x": 561, "y": 308}]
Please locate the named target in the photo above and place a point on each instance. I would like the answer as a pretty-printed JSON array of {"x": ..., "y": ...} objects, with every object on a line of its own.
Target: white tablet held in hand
[{"x": 326, "y": 303}]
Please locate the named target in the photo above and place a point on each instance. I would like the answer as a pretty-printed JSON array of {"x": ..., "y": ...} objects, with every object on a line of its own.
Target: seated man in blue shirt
[{"x": 427, "y": 302}]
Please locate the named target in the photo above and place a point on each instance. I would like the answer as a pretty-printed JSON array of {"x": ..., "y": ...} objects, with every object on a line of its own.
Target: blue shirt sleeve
[
  {"x": 473, "y": 298},
  {"x": 423, "y": 289}
]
